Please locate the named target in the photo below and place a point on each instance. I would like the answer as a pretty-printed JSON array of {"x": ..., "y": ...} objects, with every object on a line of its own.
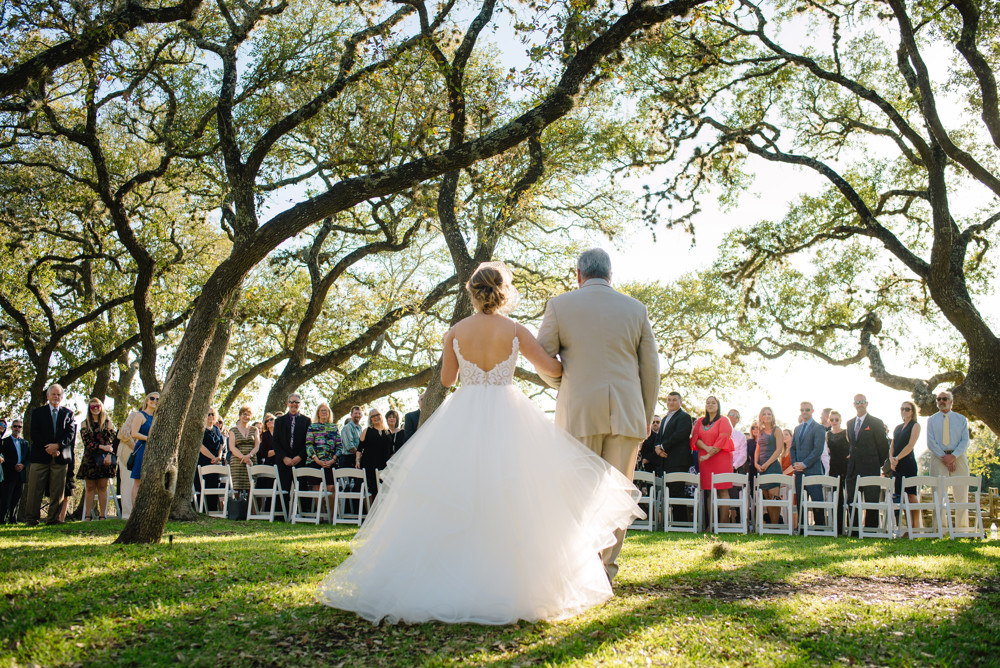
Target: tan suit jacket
[{"x": 611, "y": 367}]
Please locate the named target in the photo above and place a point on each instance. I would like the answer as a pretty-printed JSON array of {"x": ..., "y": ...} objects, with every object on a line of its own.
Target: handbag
[
  {"x": 237, "y": 507},
  {"x": 131, "y": 461}
]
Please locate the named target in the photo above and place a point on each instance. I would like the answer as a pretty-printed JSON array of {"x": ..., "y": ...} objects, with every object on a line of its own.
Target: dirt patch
[{"x": 867, "y": 590}]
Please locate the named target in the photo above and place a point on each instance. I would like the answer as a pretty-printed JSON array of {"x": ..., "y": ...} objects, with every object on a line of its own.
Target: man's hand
[
  {"x": 799, "y": 466},
  {"x": 948, "y": 460},
  {"x": 288, "y": 461},
  {"x": 18, "y": 467},
  {"x": 295, "y": 461},
  {"x": 52, "y": 449},
  {"x": 660, "y": 451}
]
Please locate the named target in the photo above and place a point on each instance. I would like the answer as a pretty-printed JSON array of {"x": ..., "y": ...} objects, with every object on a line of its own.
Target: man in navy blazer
[
  {"x": 53, "y": 435},
  {"x": 808, "y": 441},
  {"x": 14, "y": 450}
]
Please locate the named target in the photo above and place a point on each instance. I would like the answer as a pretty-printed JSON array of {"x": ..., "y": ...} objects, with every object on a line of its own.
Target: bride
[{"x": 491, "y": 513}]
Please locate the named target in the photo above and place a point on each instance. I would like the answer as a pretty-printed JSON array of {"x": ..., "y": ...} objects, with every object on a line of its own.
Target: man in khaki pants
[{"x": 611, "y": 369}]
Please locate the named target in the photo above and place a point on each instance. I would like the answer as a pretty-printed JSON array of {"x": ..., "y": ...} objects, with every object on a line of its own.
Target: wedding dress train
[{"x": 489, "y": 514}]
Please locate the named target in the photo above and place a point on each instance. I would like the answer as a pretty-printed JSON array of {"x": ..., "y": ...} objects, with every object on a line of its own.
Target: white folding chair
[
  {"x": 672, "y": 502},
  {"x": 785, "y": 502},
  {"x": 926, "y": 486},
  {"x": 302, "y": 480},
  {"x": 273, "y": 494},
  {"x": 954, "y": 504},
  {"x": 115, "y": 497},
  {"x": 831, "y": 499},
  {"x": 883, "y": 505},
  {"x": 222, "y": 492},
  {"x": 340, "y": 495},
  {"x": 739, "y": 482},
  {"x": 645, "y": 479},
  {"x": 195, "y": 496}
]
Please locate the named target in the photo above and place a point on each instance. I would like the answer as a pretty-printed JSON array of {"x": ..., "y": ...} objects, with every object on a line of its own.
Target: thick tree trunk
[
  {"x": 194, "y": 424},
  {"x": 102, "y": 378}
]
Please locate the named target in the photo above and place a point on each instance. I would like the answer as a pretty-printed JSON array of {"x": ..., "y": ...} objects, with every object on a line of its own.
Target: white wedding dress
[{"x": 489, "y": 514}]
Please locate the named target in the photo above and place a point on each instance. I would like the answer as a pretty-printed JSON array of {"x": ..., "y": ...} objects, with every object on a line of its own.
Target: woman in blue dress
[{"x": 140, "y": 431}]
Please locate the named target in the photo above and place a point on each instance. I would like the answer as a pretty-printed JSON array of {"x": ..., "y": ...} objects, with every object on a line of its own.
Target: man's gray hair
[
  {"x": 594, "y": 263},
  {"x": 951, "y": 397}
]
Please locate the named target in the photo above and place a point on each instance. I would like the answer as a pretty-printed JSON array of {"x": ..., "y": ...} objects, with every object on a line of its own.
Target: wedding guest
[
  {"x": 648, "y": 459},
  {"x": 290, "y": 442},
  {"x": 125, "y": 448},
  {"x": 869, "y": 448},
  {"x": 948, "y": 441},
  {"x": 902, "y": 460},
  {"x": 739, "y": 441},
  {"x": 398, "y": 435},
  {"x": 97, "y": 466},
  {"x": 266, "y": 453},
  {"x": 839, "y": 449},
  {"x": 412, "y": 420},
  {"x": 750, "y": 466},
  {"x": 374, "y": 450},
  {"x": 673, "y": 446},
  {"x": 767, "y": 458},
  {"x": 808, "y": 443},
  {"x": 244, "y": 442},
  {"x": 323, "y": 443},
  {"x": 786, "y": 469},
  {"x": 53, "y": 435},
  {"x": 16, "y": 457},
  {"x": 210, "y": 454},
  {"x": 350, "y": 436},
  {"x": 140, "y": 432},
  {"x": 712, "y": 442}
]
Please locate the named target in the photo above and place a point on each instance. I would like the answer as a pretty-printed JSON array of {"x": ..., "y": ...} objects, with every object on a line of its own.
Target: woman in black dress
[
  {"x": 211, "y": 452},
  {"x": 902, "y": 460},
  {"x": 398, "y": 435},
  {"x": 839, "y": 448},
  {"x": 374, "y": 450}
]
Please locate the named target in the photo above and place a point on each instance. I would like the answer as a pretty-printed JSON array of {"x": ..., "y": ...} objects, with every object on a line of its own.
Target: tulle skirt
[{"x": 490, "y": 514}]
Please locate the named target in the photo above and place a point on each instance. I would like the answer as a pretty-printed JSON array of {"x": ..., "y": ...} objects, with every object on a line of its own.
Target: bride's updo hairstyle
[{"x": 491, "y": 289}]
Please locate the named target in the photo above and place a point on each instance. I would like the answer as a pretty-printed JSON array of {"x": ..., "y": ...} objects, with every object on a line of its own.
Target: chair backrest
[
  {"x": 348, "y": 473},
  {"x": 876, "y": 481},
  {"x": 687, "y": 478},
  {"x": 827, "y": 480},
  {"x": 973, "y": 482},
  {"x": 209, "y": 469},
  {"x": 921, "y": 482},
  {"x": 263, "y": 471},
  {"x": 734, "y": 478},
  {"x": 775, "y": 479},
  {"x": 644, "y": 477}
]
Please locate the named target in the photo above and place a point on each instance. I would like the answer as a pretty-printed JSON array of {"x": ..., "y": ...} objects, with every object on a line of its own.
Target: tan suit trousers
[
  {"x": 48, "y": 478},
  {"x": 620, "y": 452},
  {"x": 960, "y": 492}
]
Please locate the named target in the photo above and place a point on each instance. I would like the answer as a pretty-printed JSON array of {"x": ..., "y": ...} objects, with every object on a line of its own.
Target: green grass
[{"x": 229, "y": 593}]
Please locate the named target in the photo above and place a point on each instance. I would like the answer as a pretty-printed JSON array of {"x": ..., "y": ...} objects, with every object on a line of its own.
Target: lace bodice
[{"x": 501, "y": 374}]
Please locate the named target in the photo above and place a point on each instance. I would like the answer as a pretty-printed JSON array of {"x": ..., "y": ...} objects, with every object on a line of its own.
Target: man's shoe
[{"x": 31, "y": 523}]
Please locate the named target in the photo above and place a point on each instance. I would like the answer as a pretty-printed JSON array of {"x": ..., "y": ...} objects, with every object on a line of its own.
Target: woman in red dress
[{"x": 712, "y": 440}]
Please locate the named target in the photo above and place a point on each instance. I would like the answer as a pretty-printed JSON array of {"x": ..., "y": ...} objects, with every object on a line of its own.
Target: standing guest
[
  {"x": 786, "y": 469},
  {"x": 902, "y": 460},
  {"x": 290, "y": 442},
  {"x": 16, "y": 457},
  {"x": 140, "y": 432},
  {"x": 323, "y": 444},
  {"x": 412, "y": 420},
  {"x": 839, "y": 449},
  {"x": 739, "y": 441},
  {"x": 266, "y": 453},
  {"x": 350, "y": 436},
  {"x": 125, "y": 448},
  {"x": 53, "y": 435},
  {"x": 374, "y": 450},
  {"x": 3, "y": 433},
  {"x": 825, "y": 421},
  {"x": 948, "y": 440},
  {"x": 767, "y": 458},
  {"x": 751, "y": 467},
  {"x": 648, "y": 459},
  {"x": 673, "y": 446},
  {"x": 97, "y": 466},
  {"x": 869, "y": 448},
  {"x": 244, "y": 441},
  {"x": 398, "y": 435},
  {"x": 210, "y": 454},
  {"x": 808, "y": 444},
  {"x": 713, "y": 443}
]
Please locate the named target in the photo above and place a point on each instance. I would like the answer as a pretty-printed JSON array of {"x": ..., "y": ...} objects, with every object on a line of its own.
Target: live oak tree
[{"x": 893, "y": 107}]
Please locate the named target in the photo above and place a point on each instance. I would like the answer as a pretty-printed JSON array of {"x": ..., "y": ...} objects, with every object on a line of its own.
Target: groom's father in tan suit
[{"x": 611, "y": 370}]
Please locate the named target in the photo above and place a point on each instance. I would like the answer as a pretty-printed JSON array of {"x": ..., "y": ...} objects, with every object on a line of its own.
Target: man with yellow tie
[{"x": 948, "y": 439}]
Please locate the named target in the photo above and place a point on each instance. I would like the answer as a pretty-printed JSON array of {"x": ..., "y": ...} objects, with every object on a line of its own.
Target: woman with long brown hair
[{"x": 97, "y": 466}]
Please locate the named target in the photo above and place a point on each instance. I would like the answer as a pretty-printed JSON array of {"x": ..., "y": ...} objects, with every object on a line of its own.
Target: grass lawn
[{"x": 227, "y": 593}]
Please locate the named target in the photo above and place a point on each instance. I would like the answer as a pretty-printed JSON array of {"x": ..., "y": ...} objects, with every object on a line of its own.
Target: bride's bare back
[{"x": 486, "y": 340}]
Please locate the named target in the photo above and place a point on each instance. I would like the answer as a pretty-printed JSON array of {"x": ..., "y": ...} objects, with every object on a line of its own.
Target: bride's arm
[
  {"x": 449, "y": 364},
  {"x": 534, "y": 353}
]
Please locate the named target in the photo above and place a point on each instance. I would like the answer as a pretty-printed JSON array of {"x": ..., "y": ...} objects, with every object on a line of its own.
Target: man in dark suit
[
  {"x": 53, "y": 435},
  {"x": 15, "y": 453},
  {"x": 869, "y": 443},
  {"x": 651, "y": 462},
  {"x": 289, "y": 442},
  {"x": 411, "y": 421},
  {"x": 808, "y": 442},
  {"x": 673, "y": 443}
]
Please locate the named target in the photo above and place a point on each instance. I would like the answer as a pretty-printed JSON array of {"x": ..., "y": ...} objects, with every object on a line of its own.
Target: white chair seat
[
  {"x": 302, "y": 480},
  {"x": 267, "y": 498},
  {"x": 831, "y": 499},
  {"x": 883, "y": 506},
  {"x": 221, "y": 492},
  {"x": 952, "y": 505},
  {"x": 670, "y": 503},
  {"x": 649, "y": 500},
  {"x": 784, "y": 502},
  {"x": 929, "y": 486},
  {"x": 739, "y": 482},
  {"x": 340, "y": 495}
]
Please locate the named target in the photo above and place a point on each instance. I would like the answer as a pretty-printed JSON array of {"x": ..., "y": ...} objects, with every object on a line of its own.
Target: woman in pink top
[{"x": 712, "y": 440}]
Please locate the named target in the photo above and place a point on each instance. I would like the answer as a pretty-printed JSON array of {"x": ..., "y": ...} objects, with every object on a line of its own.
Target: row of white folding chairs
[
  {"x": 264, "y": 501},
  {"x": 943, "y": 506}
]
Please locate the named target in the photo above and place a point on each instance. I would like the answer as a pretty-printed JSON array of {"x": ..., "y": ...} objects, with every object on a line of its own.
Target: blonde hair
[
  {"x": 760, "y": 419},
  {"x": 268, "y": 416},
  {"x": 145, "y": 401},
  {"x": 329, "y": 413},
  {"x": 102, "y": 419},
  {"x": 488, "y": 289},
  {"x": 244, "y": 409}
]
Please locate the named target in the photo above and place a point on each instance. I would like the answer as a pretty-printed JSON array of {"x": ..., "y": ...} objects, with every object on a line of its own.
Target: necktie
[
  {"x": 291, "y": 433},
  {"x": 55, "y": 420},
  {"x": 945, "y": 432},
  {"x": 857, "y": 427}
]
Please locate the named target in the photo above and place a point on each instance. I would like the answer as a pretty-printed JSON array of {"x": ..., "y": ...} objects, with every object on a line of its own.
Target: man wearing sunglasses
[
  {"x": 14, "y": 450},
  {"x": 948, "y": 439}
]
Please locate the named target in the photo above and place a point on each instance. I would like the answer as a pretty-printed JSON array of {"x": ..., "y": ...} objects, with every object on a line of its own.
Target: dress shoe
[{"x": 31, "y": 523}]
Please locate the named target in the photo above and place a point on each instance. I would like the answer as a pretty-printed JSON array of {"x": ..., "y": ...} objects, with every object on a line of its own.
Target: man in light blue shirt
[{"x": 948, "y": 440}]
